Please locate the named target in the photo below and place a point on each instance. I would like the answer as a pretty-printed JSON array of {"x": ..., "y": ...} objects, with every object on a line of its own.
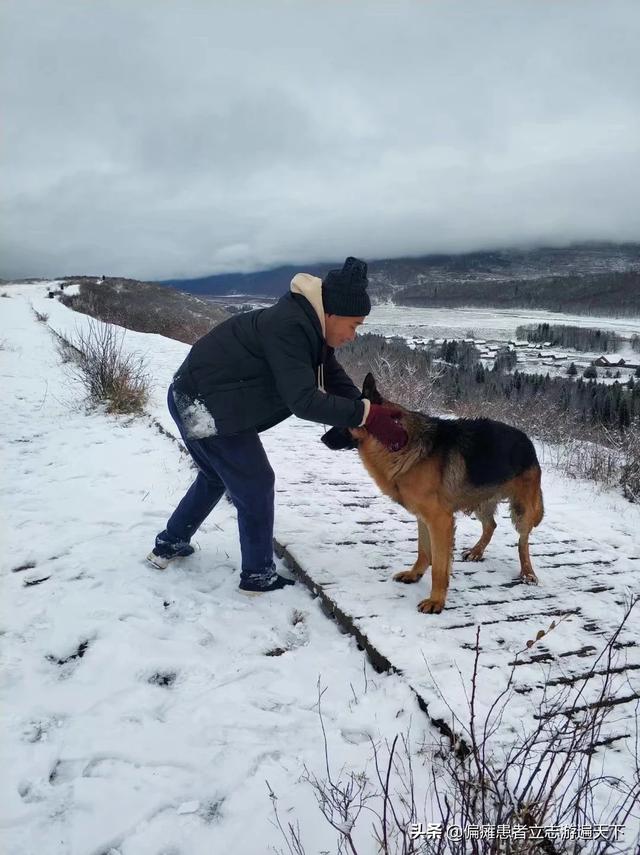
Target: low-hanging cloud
[{"x": 157, "y": 139}]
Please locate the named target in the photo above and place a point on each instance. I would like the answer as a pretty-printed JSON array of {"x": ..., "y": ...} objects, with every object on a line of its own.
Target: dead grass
[
  {"x": 110, "y": 376},
  {"x": 41, "y": 317},
  {"x": 547, "y": 777}
]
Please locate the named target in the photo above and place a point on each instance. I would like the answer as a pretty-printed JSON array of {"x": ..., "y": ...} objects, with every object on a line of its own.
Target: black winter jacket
[{"x": 257, "y": 368}]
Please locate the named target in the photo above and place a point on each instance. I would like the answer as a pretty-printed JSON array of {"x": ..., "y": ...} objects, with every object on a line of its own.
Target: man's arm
[{"x": 287, "y": 353}]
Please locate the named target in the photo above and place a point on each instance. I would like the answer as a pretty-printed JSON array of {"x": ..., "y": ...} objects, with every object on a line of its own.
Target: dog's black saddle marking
[{"x": 493, "y": 452}]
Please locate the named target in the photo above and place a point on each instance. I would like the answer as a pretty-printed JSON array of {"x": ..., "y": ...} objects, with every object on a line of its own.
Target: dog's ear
[
  {"x": 338, "y": 439},
  {"x": 370, "y": 390}
]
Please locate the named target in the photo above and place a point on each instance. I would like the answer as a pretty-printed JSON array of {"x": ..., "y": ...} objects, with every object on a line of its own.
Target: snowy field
[
  {"x": 143, "y": 713},
  {"x": 497, "y": 327},
  {"x": 498, "y": 324}
]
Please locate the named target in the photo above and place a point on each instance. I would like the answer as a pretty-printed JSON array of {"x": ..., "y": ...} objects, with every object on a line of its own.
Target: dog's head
[{"x": 338, "y": 439}]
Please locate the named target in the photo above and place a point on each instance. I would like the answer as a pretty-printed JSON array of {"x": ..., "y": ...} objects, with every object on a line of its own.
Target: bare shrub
[
  {"x": 409, "y": 378},
  {"x": 630, "y": 476},
  {"x": 109, "y": 375},
  {"x": 67, "y": 351},
  {"x": 548, "y": 779},
  {"x": 41, "y": 317},
  {"x": 412, "y": 384},
  {"x": 608, "y": 457},
  {"x": 594, "y": 461}
]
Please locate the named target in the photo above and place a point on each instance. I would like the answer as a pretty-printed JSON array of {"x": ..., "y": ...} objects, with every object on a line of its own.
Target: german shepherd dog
[{"x": 451, "y": 465}]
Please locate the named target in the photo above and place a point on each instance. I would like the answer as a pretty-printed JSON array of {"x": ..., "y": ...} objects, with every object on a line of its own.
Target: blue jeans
[{"x": 239, "y": 465}]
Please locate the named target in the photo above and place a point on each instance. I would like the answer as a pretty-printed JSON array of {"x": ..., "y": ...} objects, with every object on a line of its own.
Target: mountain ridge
[{"x": 595, "y": 276}]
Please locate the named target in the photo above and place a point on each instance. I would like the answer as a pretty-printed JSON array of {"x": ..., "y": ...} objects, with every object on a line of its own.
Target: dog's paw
[
  {"x": 528, "y": 577},
  {"x": 431, "y": 606},
  {"x": 407, "y": 576},
  {"x": 473, "y": 554}
]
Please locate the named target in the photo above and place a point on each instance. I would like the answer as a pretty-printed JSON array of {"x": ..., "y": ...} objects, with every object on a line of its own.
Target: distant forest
[
  {"x": 608, "y": 293},
  {"x": 463, "y": 380},
  {"x": 578, "y": 338}
]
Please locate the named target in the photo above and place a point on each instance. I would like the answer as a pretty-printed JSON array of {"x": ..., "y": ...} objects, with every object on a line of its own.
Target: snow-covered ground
[
  {"x": 144, "y": 712},
  {"x": 489, "y": 323},
  {"x": 497, "y": 327}
]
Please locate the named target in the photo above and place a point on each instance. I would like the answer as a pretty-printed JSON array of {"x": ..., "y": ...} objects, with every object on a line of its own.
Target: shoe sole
[
  {"x": 260, "y": 593},
  {"x": 160, "y": 562}
]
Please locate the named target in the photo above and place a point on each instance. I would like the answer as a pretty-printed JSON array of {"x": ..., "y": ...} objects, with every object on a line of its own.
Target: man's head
[
  {"x": 339, "y": 329},
  {"x": 345, "y": 300}
]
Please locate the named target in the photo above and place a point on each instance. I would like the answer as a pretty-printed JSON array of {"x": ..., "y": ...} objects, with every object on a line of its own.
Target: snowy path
[
  {"x": 586, "y": 553},
  {"x": 131, "y": 694}
]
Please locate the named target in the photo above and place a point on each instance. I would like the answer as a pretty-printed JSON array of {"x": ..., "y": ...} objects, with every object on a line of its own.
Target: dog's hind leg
[
  {"x": 526, "y": 513},
  {"x": 422, "y": 561},
  {"x": 441, "y": 529},
  {"x": 527, "y": 573},
  {"x": 485, "y": 513}
]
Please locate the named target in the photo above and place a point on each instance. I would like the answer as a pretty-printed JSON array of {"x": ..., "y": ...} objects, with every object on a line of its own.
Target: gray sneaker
[{"x": 163, "y": 554}]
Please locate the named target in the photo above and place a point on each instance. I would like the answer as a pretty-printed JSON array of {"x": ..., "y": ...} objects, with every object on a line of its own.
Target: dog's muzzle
[{"x": 338, "y": 439}]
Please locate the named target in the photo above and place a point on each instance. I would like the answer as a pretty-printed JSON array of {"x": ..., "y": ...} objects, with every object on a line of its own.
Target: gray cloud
[{"x": 155, "y": 139}]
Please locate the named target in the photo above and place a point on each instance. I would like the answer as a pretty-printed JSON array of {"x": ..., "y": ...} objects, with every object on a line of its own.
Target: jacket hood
[{"x": 311, "y": 288}]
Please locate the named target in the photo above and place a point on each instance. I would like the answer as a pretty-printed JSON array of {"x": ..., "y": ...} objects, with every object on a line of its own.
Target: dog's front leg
[
  {"x": 441, "y": 533},
  {"x": 422, "y": 561}
]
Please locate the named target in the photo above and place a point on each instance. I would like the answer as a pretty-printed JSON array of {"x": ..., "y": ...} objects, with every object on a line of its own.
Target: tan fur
[{"x": 434, "y": 492}]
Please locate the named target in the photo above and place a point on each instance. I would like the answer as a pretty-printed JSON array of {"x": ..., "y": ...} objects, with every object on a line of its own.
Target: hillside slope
[
  {"x": 143, "y": 712},
  {"x": 142, "y": 306}
]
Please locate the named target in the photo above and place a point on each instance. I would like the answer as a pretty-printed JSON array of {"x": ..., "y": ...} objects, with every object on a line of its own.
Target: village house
[{"x": 611, "y": 360}]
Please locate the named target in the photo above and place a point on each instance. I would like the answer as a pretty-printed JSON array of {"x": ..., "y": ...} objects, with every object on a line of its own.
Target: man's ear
[{"x": 370, "y": 390}]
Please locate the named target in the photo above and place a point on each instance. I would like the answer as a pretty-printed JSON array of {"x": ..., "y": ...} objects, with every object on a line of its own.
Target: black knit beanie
[{"x": 344, "y": 292}]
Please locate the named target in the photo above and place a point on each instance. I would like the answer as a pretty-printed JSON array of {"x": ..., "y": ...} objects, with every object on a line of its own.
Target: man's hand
[{"x": 383, "y": 425}]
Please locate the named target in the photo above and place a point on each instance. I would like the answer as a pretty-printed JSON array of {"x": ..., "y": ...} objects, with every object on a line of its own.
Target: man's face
[{"x": 341, "y": 329}]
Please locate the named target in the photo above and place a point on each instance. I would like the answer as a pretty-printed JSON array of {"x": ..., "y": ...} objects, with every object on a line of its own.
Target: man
[{"x": 246, "y": 375}]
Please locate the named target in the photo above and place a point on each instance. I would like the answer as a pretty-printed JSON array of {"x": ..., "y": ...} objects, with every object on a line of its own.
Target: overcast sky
[{"x": 158, "y": 139}]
